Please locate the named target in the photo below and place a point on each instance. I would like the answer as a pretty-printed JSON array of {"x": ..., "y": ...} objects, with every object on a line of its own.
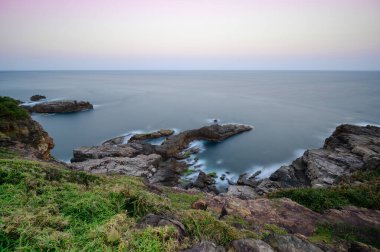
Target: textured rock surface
[
  {"x": 152, "y": 135},
  {"x": 281, "y": 212},
  {"x": 123, "y": 150},
  {"x": 243, "y": 192},
  {"x": 27, "y": 137},
  {"x": 205, "y": 246},
  {"x": 251, "y": 245},
  {"x": 141, "y": 166},
  {"x": 290, "y": 243},
  {"x": 205, "y": 183},
  {"x": 66, "y": 106},
  {"x": 174, "y": 144},
  {"x": 350, "y": 148}
]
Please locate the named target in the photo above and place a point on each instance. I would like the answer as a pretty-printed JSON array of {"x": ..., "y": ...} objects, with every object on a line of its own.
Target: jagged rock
[
  {"x": 360, "y": 247},
  {"x": 251, "y": 245},
  {"x": 160, "y": 221},
  {"x": 246, "y": 179},
  {"x": 174, "y": 144},
  {"x": 243, "y": 192},
  {"x": 37, "y": 97},
  {"x": 168, "y": 173},
  {"x": 290, "y": 243},
  {"x": 283, "y": 212},
  {"x": 23, "y": 135},
  {"x": 349, "y": 149},
  {"x": 114, "y": 141},
  {"x": 65, "y": 106},
  {"x": 199, "y": 204},
  {"x": 205, "y": 183},
  {"x": 141, "y": 166},
  {"x": 123, "y": 150},
  {"x": 152, "y": 135},
  {"x": 205, "y": 246}
]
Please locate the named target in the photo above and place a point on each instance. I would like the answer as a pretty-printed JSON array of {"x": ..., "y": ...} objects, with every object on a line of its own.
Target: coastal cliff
[{"x": 324, "y": 202}]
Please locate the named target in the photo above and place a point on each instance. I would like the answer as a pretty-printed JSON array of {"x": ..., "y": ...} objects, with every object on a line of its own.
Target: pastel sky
[{"x": 190, "y": 34}]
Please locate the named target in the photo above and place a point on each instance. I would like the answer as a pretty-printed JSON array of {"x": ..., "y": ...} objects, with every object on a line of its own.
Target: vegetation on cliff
[{"x": 10, "y": 110}]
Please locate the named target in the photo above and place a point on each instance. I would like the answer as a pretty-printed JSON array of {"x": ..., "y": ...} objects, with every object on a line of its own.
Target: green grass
[
  {"x": 9, "y": 109},
  {"x": 212, "y": 174},
  {"x": 332, "y": 233},
  {"x": 7, "y": 154},
  {"x": 45, "y": 207},
  {"x": 365, "y": 195}
]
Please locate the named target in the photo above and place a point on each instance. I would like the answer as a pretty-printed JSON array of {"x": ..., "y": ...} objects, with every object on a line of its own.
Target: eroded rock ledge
[
  {"x": 131, "y": 159},
  {"x": 350, "y": 148}
]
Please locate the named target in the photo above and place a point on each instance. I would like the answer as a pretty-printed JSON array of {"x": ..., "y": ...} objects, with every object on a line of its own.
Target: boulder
[
  {"x": 243, "y": 192},
  {"x": 65, "y": 106},
  {"x": 199, "y": 204},
  {"x": 205, "y": 183},
  {"x": 290, "y": 243},
  {"x": 205, "y": 246},
  {"x": 37, "y": 97},
  {"x": 251, "y": 245}
]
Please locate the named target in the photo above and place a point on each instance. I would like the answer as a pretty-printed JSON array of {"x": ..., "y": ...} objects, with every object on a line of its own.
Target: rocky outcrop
[
  {"x": 284, "y": 213},
  {"x": 349, "y": 149},
  {"x": 152, "y": 135},
  {"x": 19, "y": 132},
  {"x": 290, "y": 243},
  {"x": 174, "y": 144},
  {"x": 37, "y": 97},
  {"x": 123, "y": 150},
  {"x": 243, "y": 192},
  {"x": 251, "y": 245},
  {"x": 205, "y": 183},
  {"x": 65, "y": 106}
]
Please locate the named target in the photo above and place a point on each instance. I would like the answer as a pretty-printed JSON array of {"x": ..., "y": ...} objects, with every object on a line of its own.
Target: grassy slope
[{"x": 46, "y": 207}]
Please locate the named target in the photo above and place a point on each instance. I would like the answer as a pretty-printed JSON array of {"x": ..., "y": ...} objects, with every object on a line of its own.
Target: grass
[
  {"x": 45, "y": 207},
  {"x": 9, "y": 109},
  {"x": 365, "y": 195},
  {"x": 332, "y": 233}
]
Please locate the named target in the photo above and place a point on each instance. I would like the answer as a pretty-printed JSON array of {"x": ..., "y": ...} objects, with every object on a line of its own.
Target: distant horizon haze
[{"x": 190, "y": 35}]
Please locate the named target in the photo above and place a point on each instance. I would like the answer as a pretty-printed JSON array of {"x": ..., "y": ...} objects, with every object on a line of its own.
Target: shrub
[{"x": 9, "y": 109}]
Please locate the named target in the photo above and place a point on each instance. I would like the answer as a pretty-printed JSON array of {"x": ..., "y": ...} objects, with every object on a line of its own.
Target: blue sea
[{"x": 290, "y": 110}]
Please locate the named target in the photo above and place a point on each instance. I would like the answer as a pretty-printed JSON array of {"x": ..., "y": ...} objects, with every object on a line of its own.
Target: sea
[{"x": 291, "y": 111}]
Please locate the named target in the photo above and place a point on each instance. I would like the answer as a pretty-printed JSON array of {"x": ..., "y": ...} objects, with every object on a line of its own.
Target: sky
[{"x": 190, "y": 34}]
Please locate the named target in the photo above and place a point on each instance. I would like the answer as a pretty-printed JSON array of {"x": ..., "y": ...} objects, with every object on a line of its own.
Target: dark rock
[
  {"x": 152, "y": 135},
  {"x": 223, "y": 177},
  {"x": 168, "y": 173},
  {"x": 205, "y": 246},
  {"x": 360, "y": 247},
  {"x": 349, "y": 149},
  {"x": 66, "y": 106},
  {"x": 160, "y": 221},
  {"x": 37, "y": 97},
  {"x": 205, "y": 183},
  {"x": 290, "y": 243},
  {"x": 251, "y": 245},
  {"x": 114, "y": 141},
  {"x": 25, "y": 136},
  {"x": 174, "y": 144},
  {"x": 245, "y": 179}
]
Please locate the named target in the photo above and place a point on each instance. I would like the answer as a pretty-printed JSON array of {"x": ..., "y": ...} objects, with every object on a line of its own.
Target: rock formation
[
  {"x": 65, "y": 106},
  {"x": 37, "y": 97}
]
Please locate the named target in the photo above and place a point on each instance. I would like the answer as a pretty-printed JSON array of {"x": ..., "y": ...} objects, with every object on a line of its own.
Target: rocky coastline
[
  {"x": 250, "y": 216},
  {"x": 53, "y": 107}
]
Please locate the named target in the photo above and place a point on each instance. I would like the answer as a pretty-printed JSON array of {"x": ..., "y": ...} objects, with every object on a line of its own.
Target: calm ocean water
[{"x": 291, "y": 111}]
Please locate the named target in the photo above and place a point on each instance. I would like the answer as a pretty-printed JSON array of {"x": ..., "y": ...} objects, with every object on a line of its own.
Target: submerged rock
[
  {"x": 65, "y": 106},
  {"x": 37, "y": 97}
]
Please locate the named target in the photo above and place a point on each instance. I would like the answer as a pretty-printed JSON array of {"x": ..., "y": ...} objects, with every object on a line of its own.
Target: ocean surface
[{"x": 291, "y": 111}]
